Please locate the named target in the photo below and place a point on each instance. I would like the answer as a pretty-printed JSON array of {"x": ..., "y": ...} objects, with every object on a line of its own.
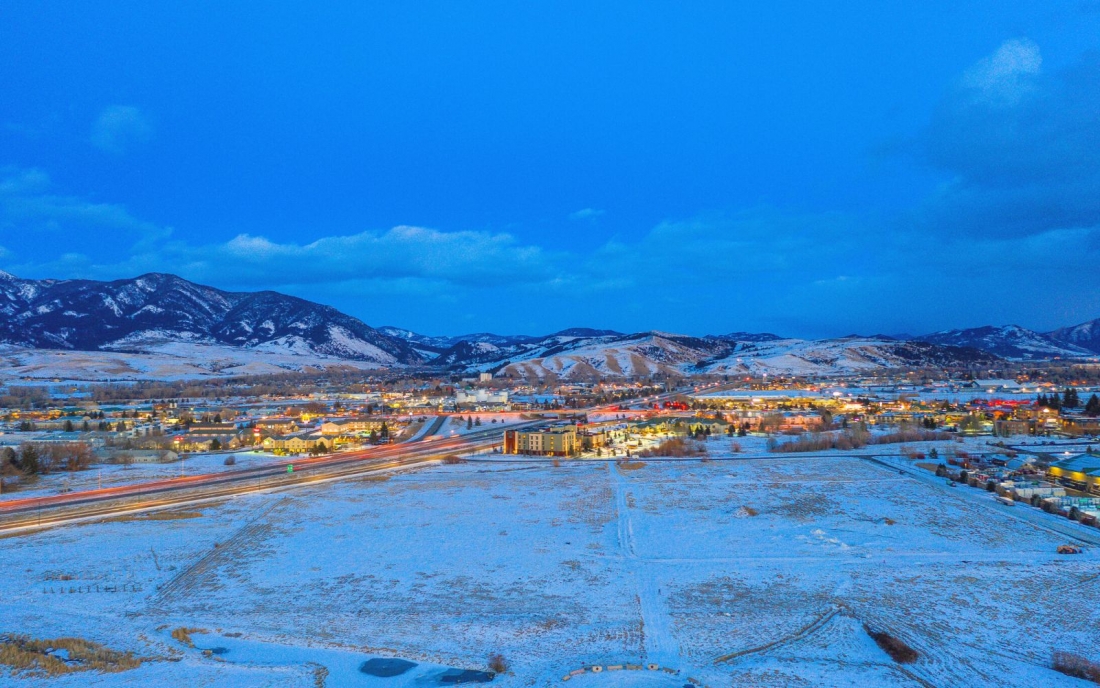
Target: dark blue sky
[{"x": 808, "y": 168}]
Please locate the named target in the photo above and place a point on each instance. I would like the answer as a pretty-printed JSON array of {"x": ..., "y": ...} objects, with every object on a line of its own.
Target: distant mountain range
[
  {"x": 160, "y": 313},
  {"x": 1015, "y": 342},
  {"x": 130, "y": 314}
]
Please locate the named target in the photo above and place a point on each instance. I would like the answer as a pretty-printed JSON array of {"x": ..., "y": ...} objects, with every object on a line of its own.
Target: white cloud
[
  {"x": 1006, "y": 75},
  {"x": 586, "y": 214},
  {"x": 29, "y": 203},
  {"x": 119, "y": 127}
]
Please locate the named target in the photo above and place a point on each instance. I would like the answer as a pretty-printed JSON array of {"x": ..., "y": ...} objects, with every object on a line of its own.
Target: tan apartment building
[{"x": 559, "y": 441}]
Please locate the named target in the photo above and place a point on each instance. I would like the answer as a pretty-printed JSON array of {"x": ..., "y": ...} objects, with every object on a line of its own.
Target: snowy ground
[
  {"x": 560, "y": 567},
  {"x": 113, "y": 474},
  {"x": 456, "y": 424}
]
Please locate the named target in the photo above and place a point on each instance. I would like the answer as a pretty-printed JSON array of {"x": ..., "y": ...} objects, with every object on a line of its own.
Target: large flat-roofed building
[
  {"x": 1081, "y": 472},
  {"x": 559, "y": 441},
  {"x": 350, "y": 425},
  {"x": 471, "y": 397}
]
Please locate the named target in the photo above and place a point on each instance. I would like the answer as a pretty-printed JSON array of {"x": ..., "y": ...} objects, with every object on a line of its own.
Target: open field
[{"x": 755, "y": 572}]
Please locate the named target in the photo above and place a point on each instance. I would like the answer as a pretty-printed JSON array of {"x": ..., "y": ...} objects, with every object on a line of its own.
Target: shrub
[
  {"x": 231, "y": 460},
  {"x": 678, "y": 447},
  {"x": 452, "y": 459},
  {"x": 183, "y": 634},
  {"x": 497, "y": 663},
  {"x": 898, "y": 650},
  {"x": 1076, "y": 666},
  {"x": 38, "y": 657}
]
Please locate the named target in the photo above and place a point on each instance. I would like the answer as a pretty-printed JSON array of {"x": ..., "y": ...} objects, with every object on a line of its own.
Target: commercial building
[
  {"x": 481, "y": 397},
  {"x": 1081, "y": 472},
  {"x": 556, "y": 441},
  {"x": 293, "y": 445},
  {"x": 351, "y": 426}
]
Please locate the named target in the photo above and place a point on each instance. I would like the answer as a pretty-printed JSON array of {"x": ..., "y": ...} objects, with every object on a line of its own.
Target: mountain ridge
[{"x": 143, "y": 313}]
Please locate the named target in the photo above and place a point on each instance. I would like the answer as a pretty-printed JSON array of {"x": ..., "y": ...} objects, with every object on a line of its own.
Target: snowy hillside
[
  {"x": 651, "y": 353},
  {"x": 165, "y": 360},
  {"x": 1010, "y": 341},
  {"x": 1085, "y": 336},
  {"x": 839, "y": 356},
  {"x": 133, "y": 314}
]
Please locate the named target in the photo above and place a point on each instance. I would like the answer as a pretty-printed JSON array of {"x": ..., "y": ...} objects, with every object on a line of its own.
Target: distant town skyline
[{"x": 808, "y": 170}]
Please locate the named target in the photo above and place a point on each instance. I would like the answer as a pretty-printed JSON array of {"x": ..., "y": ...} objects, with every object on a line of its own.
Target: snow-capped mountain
[
  {"x": 135, "y": 314},
  {"x": 1085, "y": 336},
  {"x": 440, "y": 344},
  {"x": 746, "y": 337},
  {"x": 843, "y": 355},
  {"x": 1009, "y": 341},
  {"x": 164, "y": 322},
  {"x": 649, "y": 353}
]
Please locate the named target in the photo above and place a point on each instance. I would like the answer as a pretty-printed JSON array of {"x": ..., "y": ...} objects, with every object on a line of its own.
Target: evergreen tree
[
  {"x": 7, "y": 458},
  {"x": 1092, "y": 408},
  {"x": 1069, "y": 398},
  {"x": 215, "y": 445},
  {"x": 68, "y": 425},
  {"x": 30, "y": 460}
]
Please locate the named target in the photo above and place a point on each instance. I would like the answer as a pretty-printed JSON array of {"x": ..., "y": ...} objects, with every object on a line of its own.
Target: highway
[
  {"x": 52, "y": 510},
  {"x": 35, "y": 512}
]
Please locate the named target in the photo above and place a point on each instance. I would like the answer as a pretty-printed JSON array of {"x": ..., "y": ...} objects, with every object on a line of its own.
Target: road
[
  {"x": 40, "y": 512},
  {"x": 37, "y": 512}
]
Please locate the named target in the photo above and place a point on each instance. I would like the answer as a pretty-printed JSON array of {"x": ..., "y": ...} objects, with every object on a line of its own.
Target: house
[
  {"x": 276, "y": 426},
  {"x": 128, "y": 456},
  {"x": 214, "y": 429}
]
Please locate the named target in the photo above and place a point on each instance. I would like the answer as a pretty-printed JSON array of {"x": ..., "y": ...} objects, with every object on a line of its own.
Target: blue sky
[{"x": 813, "y": 169}]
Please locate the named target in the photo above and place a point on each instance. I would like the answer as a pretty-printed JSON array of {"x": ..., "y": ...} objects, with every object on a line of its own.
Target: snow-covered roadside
[{"x": 113, "y": 474}]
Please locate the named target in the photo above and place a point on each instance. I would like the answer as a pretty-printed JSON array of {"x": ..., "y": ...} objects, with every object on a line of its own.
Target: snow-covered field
[
  {"x": 560, "y": 567},
  {"x": 113, "y": 474}
]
